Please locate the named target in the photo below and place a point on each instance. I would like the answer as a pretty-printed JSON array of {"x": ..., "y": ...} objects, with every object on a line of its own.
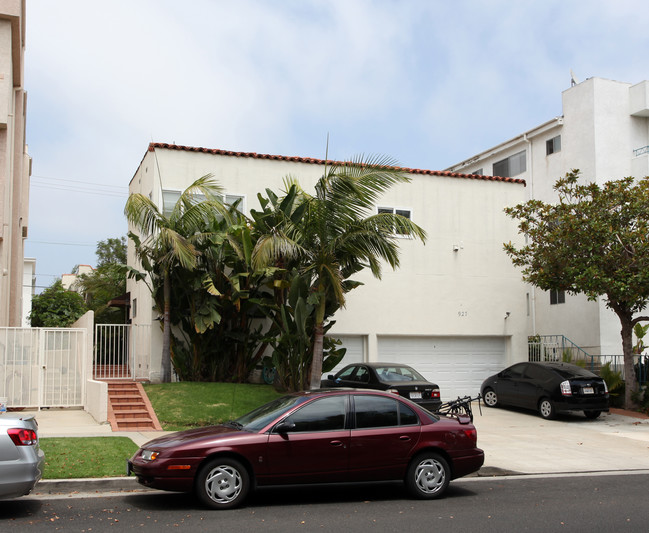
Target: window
[
  {"x": 477, "y": 172},
  {"x": 324, "y": 414},
  {"x": 170, "y": 198},
  {"x": 378, "y": 412},
  {"x": 134, "y": 308},
  {"x": 405, "y": 213},
  {"x": 553, "y": 145},
  {"x": 557, "y": 297},
  {"x": 512, "y": 166}
]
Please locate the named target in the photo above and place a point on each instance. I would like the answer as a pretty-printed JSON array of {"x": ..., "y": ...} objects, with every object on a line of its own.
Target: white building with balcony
[{"x": 604, "y": 132}]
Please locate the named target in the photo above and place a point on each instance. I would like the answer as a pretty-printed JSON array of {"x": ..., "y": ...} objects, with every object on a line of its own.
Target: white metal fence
[
  {"x": 122, "y": 351},
  {"x": 42, "y": 367}
]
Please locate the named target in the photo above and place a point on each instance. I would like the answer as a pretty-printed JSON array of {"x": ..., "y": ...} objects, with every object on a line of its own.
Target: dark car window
[
  {"x": 346, "y": 373},
  {"x": 363, "y": 375},
  {"x": 536, "y": 373},
  {"x": 323, "y": 414},
  {"x": 515, "y": 372},
  {"x": 573, "y": 371},
  {"x": 377, "y": 411}
]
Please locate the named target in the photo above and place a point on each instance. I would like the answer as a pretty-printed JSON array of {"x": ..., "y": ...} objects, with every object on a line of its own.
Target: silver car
[{"x": 21, "y": 458}]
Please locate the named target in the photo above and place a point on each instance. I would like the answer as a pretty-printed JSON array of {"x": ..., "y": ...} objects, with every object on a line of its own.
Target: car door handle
[
  {"x": 404, "y": 437},
  {"x": 337, "y": 443}
]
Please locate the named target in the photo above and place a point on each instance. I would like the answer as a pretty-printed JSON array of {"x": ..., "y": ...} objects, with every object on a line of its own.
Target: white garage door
[
  {"x": 355, "y": 348},
  {"x": 457, "y": 364}
]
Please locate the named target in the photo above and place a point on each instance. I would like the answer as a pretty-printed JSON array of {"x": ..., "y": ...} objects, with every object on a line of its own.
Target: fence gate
[
  {"x": 42, "y": 367},
  {"x": 121, "y": 351}
]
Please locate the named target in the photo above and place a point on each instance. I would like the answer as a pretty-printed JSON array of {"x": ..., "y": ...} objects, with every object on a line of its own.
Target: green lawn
[
  {"x": 186, "y": 405},
  {"x": 81, "y": 457},
  {"x": 177, "y": 405}
]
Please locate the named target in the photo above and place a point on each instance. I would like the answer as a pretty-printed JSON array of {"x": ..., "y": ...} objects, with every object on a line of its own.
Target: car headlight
[{"x": 149, "y": 455}]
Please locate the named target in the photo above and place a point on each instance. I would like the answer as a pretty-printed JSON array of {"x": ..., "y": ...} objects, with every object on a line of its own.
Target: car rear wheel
[
  {"x": 490, "y": 398},
  {"x": 592, "y": 415},
  {"x": 546, "y": 409},
  {"x": 223, "y": 483},
  {"x": 428, "y": 476}
]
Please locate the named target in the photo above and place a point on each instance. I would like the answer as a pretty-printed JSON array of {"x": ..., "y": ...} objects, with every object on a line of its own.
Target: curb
[
  {"x": 98, "y": 485},
  {"x": 129, "y": 484}
]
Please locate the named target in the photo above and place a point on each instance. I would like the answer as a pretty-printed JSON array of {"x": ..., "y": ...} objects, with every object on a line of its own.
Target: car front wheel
[
  {"x": 546, "y": 409},
  {"x": 490, "y": 398},
  {"x": 592, "y": 415},
  {"x": 222, "y": 483},
  {"x": 428, "y": 476}
]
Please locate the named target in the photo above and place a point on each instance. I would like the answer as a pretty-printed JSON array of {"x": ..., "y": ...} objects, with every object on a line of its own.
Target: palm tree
[
  {"x": 166, "y": 241},
  {"x": 337, "y": 234}
]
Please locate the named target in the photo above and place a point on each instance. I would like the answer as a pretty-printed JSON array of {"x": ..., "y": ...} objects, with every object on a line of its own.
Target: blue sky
[{"x": 426, "y": 82}]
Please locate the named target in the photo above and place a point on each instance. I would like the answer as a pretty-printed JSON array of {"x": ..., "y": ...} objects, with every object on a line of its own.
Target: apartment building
[
  {"x": 455, "y": 309},
  {"x": 15, "y": 163},
  {"x": 604, "y": 132}
]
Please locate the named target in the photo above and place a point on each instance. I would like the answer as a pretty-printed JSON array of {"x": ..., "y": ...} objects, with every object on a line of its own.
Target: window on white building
[
  {"x": 170, "y": 198},
  {"x": 553, "y": 145},
  {"x": 406, "y": 213},
  {"x": 511, "y": 166},
  {"x": 557, "y": 297}
]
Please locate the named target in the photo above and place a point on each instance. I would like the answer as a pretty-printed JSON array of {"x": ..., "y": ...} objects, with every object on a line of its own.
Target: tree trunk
[
  {"x": 166, "y": 331},
  {"x": 316, "y": 361},
  {"x": 630, "y": 379}
]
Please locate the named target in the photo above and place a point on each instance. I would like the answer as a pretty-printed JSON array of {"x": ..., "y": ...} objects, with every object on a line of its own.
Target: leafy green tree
[
  {"x": 106, "y": 282},
  {"x": 337, "y": 233},
  {"x": 112, "y": 251},
  {"x": 56, "y": 307},
  {"x": 594, "y": 240},
  {"x": 165, "y": 242}
]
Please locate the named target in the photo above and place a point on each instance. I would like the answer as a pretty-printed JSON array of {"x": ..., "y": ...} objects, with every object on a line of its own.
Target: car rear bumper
[
  {"x": 19, "y": 477},
  {"x": 581, "y": 404},
  {"x": 467, "y": 462}
]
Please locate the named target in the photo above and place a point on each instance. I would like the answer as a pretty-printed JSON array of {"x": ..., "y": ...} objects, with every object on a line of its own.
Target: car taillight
[
  {"x": 565, "y": 388},
  {"x": 435, "y": 394},
  {"x": 393, "y": 391},
  {"x": 23, "y": 437},
  {"x": 472, "y": 434}
]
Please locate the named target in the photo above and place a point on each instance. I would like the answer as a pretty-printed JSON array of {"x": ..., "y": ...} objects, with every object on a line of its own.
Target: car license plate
[
  {"x": 415, "y": 395},
  {"x": 587, "y": 390}
]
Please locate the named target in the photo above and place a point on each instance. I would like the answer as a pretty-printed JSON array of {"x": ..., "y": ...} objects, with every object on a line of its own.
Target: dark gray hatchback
[{"x": 548, "y": 388}]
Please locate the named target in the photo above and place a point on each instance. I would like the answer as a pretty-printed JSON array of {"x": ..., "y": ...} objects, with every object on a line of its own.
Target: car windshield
[
  {"x": 259, "y": 418},
  {"x": 390, "y": 374}
]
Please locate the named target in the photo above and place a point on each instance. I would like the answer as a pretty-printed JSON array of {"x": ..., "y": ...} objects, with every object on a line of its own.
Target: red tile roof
[{"x": 311, "y": 160}]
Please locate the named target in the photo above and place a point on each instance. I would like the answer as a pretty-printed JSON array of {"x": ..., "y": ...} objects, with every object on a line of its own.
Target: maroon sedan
[{"x": 323, "y": 436}]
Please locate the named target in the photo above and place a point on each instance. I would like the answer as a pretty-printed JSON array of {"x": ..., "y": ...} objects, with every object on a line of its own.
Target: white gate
[
  {"x": 122, "y": 351},
  {"x": 42, "y": 367}
]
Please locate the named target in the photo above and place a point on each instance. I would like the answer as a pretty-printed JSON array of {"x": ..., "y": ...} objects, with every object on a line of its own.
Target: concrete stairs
[{"x": 129, "y": 408}]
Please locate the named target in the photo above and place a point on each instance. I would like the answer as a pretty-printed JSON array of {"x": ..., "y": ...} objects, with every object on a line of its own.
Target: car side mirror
[
  {"x": 284, "y": 427},
  {"x": 331, "y": 377}
]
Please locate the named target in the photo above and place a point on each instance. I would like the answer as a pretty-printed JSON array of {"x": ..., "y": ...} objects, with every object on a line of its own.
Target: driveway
[{"x": 517, "y": 441}]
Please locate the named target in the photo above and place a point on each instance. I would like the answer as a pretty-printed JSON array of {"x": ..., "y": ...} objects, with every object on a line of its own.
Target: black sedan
[
  {"x": 392, "y": 377},
  {"x": 548, "y": 388}
]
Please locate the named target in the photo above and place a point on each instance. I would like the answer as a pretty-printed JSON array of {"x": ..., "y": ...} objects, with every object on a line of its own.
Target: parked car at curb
[
  {"x": 548, "y": 388},
  {"x": 391, "y": 377},
  {"x": 320, "y": 436},
  {"x": 21, "y": 459}
]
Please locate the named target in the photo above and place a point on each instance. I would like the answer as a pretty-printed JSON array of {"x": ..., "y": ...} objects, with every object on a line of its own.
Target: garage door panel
[
  {"x": 355, "y": 351},
  {"x": 457, "y": 364}
]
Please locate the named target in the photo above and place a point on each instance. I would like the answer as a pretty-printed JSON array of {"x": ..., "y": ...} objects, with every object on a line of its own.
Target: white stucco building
[
  {"x": 15, "y": 163},
  {"x": 604, "y": 132},
  {"x": 456, "y": 309}
]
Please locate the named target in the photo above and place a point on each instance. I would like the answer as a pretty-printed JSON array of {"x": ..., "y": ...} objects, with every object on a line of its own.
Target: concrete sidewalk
[{"x": 514, "y": 442}]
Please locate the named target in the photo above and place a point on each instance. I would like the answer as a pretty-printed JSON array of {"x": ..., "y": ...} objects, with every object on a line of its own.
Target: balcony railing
[{"x": 640, "y": 151}]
